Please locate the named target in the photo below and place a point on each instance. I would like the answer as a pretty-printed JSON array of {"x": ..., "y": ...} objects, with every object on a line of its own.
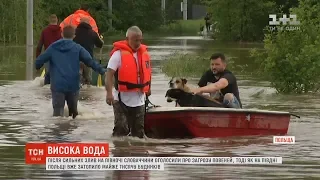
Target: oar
[{"x": 99, "y": 80}]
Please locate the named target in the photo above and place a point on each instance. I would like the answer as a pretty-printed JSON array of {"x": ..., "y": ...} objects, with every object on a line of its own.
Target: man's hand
[
  {"x": 109, "y": 99},
  {"x": 108, "y": 85},
  {"x": 196, "y": 91},
  {"x": 148, "y": 93}
]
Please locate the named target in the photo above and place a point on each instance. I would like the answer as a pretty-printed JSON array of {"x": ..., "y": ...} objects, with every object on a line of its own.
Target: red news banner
[{"x": 36, "y": 153}]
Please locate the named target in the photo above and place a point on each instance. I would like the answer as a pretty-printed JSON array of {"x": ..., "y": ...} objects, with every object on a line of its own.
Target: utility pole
[
  {"x": 110, "y": 13},
  {"x": 163, "y": 5},
  {"x": 185, "y": 9},
  {"x": 29, "y": 57},
  {"x": 163, "y": 8}
]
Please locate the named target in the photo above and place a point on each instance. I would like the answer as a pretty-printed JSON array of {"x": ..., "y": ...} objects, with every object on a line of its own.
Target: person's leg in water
[
  {"x": 72, "y": 102},
  {"x": 136, "y": 121},
  {"x": 58, "y": 102},
  {"x": 87, "y": 75},
  {"x": 47, "y": 74},
  {"x": 81, "y": 72},
  {"x": 47, "y": 78},
  {"x": 208, "y": 27},
  {"x": 121, "y": 127},
  {"x": 231, "y": 101}
]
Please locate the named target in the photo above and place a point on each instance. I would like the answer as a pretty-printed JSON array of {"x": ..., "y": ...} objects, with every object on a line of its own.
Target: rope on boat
[
  {"x": 149, "y": 102},
  {"x": 295, "y": 115}
]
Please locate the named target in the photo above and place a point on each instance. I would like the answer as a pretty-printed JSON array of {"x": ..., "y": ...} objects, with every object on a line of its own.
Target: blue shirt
[{"x": 64, "y": 57}]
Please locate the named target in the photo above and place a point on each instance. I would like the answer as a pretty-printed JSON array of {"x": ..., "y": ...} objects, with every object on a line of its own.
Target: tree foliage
[
  {"x": 147, "y": 14},
  {"x": 245, "y": 19},
  {"x": 241, "y": 21},
  {"x": 291, "y": 58}
]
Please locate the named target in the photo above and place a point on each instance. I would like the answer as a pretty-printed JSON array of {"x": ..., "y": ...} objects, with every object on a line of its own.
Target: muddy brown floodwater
[{"x": 25, "y": 113}]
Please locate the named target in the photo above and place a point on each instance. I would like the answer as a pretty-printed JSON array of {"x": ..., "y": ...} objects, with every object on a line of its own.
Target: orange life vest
[
  {"x": 74, "y": 20},
  {"x": 128, "y": 75}
]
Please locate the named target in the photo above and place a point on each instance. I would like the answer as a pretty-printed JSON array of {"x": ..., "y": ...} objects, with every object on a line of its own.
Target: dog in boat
[{"x": 181, "y": 93}]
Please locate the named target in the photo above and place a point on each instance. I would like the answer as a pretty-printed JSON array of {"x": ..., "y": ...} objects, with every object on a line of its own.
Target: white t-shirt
[{"x": 131, "y": 99}]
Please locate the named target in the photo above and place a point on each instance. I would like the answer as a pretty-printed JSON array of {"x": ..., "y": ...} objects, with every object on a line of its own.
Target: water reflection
[
  {"x": 60, "y": 130},
  {"x": 127, "y": 149}
]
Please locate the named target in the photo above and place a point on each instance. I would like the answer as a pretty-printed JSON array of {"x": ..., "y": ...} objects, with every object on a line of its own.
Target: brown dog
[{"x": 181, "y": 83}]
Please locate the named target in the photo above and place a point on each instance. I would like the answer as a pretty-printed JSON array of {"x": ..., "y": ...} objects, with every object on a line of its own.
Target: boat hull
[{"x": 181, "y": 122}]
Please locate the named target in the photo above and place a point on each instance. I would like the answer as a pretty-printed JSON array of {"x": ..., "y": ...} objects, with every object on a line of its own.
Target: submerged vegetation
[
  {"x": 186, "y": 65},
  {"x": 180, "y": 28},
  {"x": 191, "y": 65}
]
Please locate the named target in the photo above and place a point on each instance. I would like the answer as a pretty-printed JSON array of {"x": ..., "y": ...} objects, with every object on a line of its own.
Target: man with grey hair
[{"x": 130, "y": 65}]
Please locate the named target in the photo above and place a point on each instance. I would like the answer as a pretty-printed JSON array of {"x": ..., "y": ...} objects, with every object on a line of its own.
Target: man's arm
[
  {"x": 109, "y": 80},
  {"x": 97, "y": 41},
  {"x": 86, "y": 58},
  {"x": 40, "y": 44},
  {"x": 43, "y": 58},
  {"x": 113, "y": 65},
  {"x": 149, "y": 92},
  {"x": 211, "y": 88},
  {"x": 223, "y": 82}
]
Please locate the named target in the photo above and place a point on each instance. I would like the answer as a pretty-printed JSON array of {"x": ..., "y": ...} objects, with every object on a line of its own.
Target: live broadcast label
[{"x": 36, "y": 153}]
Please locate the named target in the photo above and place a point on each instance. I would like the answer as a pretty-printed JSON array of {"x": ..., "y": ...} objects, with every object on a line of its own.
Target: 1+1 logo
[{"x": 274, "y": 24}]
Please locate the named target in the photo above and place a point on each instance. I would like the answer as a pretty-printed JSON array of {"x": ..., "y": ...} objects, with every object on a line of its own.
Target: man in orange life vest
[
  {"x": 131, "y": 66},
  {"x": 74, "y": 19}
]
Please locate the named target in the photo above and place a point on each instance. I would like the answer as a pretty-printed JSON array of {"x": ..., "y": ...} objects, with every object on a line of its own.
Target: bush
[{"x": 290, "y": 59}]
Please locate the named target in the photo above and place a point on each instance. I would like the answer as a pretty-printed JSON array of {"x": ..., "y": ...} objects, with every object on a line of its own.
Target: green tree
[
  {"x": 241, "y": 21},
  {"x": 290, "y": 59},
  {"x": 146, "y": 14},
  {"x": 13, "y": 19}
]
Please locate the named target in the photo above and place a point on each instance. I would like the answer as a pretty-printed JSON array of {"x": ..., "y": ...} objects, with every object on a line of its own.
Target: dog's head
[
  {"x": 177, "y": 83},
  {"x": 172, "y": 94}
]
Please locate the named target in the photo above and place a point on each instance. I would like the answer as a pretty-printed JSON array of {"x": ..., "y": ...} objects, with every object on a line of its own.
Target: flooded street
[{"x": 25, "y": 113}]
